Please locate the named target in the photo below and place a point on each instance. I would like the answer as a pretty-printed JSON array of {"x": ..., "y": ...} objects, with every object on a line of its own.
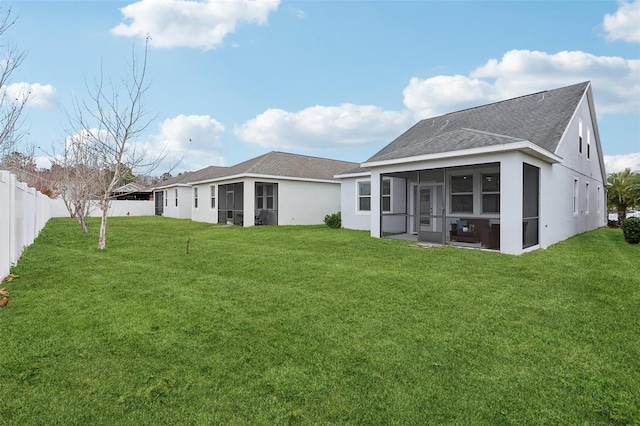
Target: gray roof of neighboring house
[
  {"x": 281, "y": 164},
  {"x": 187, "y": 177},
  {"x": 540, "y": 118},
  {"x": 355, "y": 171},
  {"x": 131, "y": 187}
]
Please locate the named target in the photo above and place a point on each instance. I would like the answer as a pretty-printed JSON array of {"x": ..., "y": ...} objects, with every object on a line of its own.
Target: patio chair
[
  {"x": 490, "y": 237},
  {"x": 261, "y": 219}
]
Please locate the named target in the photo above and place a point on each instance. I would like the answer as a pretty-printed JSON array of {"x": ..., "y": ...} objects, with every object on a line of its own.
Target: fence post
[{"x": 5, "y": 224}]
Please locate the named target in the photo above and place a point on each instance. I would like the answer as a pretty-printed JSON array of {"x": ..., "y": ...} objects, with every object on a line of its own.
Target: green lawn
[{"x": 310, "y": 325}]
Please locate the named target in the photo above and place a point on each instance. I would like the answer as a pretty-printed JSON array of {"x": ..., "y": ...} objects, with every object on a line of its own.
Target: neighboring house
[
  {"x": 173, "y": 196},
  {"x": 288, "y": 189},
  {"x": 132, "y": 191},
  {"x": 512, "y": 176}
]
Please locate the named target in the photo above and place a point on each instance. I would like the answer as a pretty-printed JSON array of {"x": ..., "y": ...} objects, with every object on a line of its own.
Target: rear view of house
[
  {"x": 276, "y": 188},
  {"x": 512, "y": 176}
]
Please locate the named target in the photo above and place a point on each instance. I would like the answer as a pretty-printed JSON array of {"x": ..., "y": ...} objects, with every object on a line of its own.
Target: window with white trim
[
  {"x": 575, "y": 196},
  {"x": 175, "y": 191},
  {"x": 265, "y": 196},
  {"x": 586, "y": 198},
  {"x": 212, "y": 190},
  {"x": 195, "y": 197},
  {"x": 386, "y": 195},
  {"x": 588, "y": 143},
  {"x": 580, "y": 136},
  {"x": 364, "y": 195},
  {"x": 491, "y": 193},
  {"x": 462, "y": 193}
]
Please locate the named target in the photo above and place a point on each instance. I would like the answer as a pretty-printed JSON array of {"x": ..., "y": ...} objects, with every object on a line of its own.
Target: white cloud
[
  {"x": 625, "y": 23},
  {"x": 617, "y": 163},
  {"x": 441, "y": 94},
  {"x": 196, "y": 24},
  {"x": 40, "y": 96},
  {"x": 616, "y": 82},
  {"x": 323, "y": 127},
  {"x": 194, "y": 139}
]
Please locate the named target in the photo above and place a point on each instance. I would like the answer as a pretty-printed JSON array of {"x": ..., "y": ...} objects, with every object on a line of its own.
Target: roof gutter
[
  {"x": 260, "y": 176},
  {"x": 524, "y": 146}
]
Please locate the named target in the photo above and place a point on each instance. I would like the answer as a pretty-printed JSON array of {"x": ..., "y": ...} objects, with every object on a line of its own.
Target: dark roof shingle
[
  {"x": 279, "y": 164},
  {"x": 540, "y": 118}
]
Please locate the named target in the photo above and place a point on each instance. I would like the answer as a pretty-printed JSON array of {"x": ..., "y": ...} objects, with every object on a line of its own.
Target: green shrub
[
  {"x": 631, "y": 229},
  {"x": 333, "y": 220}
]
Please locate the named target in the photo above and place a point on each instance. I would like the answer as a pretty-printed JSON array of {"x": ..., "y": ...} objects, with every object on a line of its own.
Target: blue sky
[{"x": 233, "y": 79}]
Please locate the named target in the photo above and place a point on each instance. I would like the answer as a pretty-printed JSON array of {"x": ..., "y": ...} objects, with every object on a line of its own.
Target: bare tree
[
  {"x": 22, "y": 165},
  {"x": 74, "y": 171},
  {"x": 111, "y": 119},
  {"x": 12, "y": 100}
]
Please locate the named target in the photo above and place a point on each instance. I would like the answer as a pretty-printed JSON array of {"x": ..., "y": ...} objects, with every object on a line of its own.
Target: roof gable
[{"x": 540, "y": 118}]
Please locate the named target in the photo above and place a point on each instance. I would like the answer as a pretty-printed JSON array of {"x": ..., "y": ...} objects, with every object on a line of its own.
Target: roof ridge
[
  {"x": 586, "y": 82},
  {"x": 310, "y": 156}
]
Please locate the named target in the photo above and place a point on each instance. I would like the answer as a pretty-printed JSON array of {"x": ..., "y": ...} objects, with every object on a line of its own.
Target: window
[
  {"x": 586, "y": 198},
  {"x": 364, "y": 196},
  {"x": 166, "y": 199},
  {"x": 212, "y": 189},
  {"x": 195, "y": 197},
  {"x": 588, "y": 143},
  {"x": 175, "y": 191},
  {"x": 462, "y": 194},
  {"x": 580, "y": 136},
  {"x": 386, "y": 195},
  {"x": 575, "y": 196},
  {"x": 491, "y": 193},
  {"x": 265, "y": 198}
]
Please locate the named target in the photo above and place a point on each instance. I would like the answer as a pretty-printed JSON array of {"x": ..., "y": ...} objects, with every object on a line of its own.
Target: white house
[
  {"x": 512, "y": 176},
  {"x": 286, "y": 189},
  {"x": 173, "y": 196}
]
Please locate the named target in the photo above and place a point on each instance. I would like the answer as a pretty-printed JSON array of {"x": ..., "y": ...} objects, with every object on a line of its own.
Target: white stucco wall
[
  {"x": 298, "y": 202},
  {"x": 185, "y": 201},
  {"x": 204, "y": 212},
  {"x": 306, "y": 203},
  {"x": 351, "y": 217}
]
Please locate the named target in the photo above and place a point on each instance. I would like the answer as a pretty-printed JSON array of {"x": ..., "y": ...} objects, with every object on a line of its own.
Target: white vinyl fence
[
  {"x": 23, "y": 213},
  {"x": 117, "y": 208}
]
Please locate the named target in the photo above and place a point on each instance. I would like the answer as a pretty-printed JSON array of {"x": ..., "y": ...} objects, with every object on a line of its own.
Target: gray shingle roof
[
  {"x": 539, "y": 118},
  {"x": 187, "y": 177},
  {"x": 281, "y": 164}
]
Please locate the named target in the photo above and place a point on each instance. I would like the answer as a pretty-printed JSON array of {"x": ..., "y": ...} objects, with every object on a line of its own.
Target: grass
[{"x": 309, "y": 325}]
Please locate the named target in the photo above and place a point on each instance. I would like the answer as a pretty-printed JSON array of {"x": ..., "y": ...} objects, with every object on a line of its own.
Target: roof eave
[
  {"x": 261, "y": 176},
  {"x": 352, "y": 175},
  {"x": 171, "y": 186},
  {"x": 524, "y": 146}
]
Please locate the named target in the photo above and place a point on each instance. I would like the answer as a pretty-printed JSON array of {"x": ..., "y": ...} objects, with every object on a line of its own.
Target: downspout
[{"x": 444, "y": 205}]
